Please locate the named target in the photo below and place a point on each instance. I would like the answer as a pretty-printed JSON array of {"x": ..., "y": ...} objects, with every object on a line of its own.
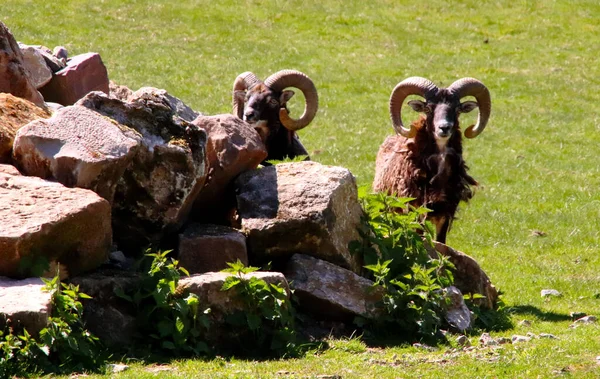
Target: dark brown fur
[{"x": 417, "y": 168}]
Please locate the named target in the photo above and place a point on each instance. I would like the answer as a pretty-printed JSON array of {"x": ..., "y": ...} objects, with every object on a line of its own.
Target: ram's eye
[
  {"x": 273, "y": 103},
  {"x": 428, "y": 109}
]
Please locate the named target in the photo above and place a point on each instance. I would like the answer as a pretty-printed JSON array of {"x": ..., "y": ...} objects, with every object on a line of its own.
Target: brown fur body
[{"x": 417, "y": 168}]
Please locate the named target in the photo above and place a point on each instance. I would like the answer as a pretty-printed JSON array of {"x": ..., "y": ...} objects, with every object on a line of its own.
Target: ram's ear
[
  {"x": 467, "y": 106},
  {"x": 240, "y": 95},
  {"x": 418, "y": 106},
  {"x": 285, "y": 97}
]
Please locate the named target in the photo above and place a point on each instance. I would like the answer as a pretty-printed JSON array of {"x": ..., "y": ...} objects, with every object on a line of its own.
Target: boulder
[
  {"x": 331, "y": 291},
  {"x": 8, "y": 169},
  {"x": 117, "y": 91},
  {"x": 14, "y": 77},
  {"x": 205, "y": 247},
  {"x": 39, "y": 72},
  {"x": 232, "y": 147},
  {"x": 106, "y": 315},
  {"x": 301, "y": 207},
  {"x": 208, "y": 289},
  {"x": 45, "y": 222},
  {"x": 456, "y": 312},
  {"x": 15, "y": 113},
  {"x": 155, "y": 194},
  {"x": 84, "y": 73},
  {"x": 24, "y": 304},
  {"x": 469, "y": 278},
  {"x": 78, "y": 148}
]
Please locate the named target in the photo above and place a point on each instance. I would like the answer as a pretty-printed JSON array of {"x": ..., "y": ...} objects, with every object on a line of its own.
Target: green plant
[
  {"x": 63, "y": 346},
  {"x": 174, "y": 321},
  {"x": 393, "y": 247},
  {"x": 268, "y": 312}
]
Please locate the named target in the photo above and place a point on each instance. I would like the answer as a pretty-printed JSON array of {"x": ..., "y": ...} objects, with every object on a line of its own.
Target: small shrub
[
  {"x": 393, "y": 248},
  {"x": 174, "y": 321},
  {"x": 268, "y": 314},
  {"x": 64, "y": 346}
]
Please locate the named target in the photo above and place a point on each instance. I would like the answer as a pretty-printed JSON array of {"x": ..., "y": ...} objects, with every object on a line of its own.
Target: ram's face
[
  {"x": 259, "y": 102},
  {"x": 442, "y": 114}
]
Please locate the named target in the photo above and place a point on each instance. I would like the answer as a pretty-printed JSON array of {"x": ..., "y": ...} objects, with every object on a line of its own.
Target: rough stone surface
[
  {"x": 155, "y": 194},
  {"x": 78, "y": 148},
  {"x": 84, "y": 73},
  {"x": 106, "y": 315},
  {"x": 331, "y": 291},
  {"x": 24, "y": 303},
  {"x": 205, "y": 247},
  {"x": 155, "y": 95},
  {"x": 469, "y": 278},
  {"x": 457, "y": 313},
  {"x": 39, "y": 72},
  {"x": 9, "y": 169},
  {"x": 14, "y": 77},
  {"x": 120, "y": 92},
  {"x": 15, "y": 113},
  {"x": 208, "y": 289},
  {"x": 232, "y": 147},
  {"x": 47, "y": 222},
  {"x": 301, "y": 207}
]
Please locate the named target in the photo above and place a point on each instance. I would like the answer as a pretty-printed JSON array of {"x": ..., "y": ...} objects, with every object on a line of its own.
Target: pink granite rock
[
  {"x": 45, "y": 222},
  {"x": 84, "y": 73},
  {"x": 78, "y": 148},
  {"x": 14, "y": 77}
]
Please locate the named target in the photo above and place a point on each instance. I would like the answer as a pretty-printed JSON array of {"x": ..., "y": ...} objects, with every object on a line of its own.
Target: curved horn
[
  {"x": 291, "y": 78},
  {"x": 473, "y": 87},
  {"x": 414, "y": 85},
  {"x": 243, "y": 82}
]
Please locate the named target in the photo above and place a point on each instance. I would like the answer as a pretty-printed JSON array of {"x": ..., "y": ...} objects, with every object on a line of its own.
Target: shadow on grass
[{"x": 540, "y": 314}]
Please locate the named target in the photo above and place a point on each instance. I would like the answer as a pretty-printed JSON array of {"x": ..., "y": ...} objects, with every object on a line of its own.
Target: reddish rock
[
  {"x": 15, "y": 113},
  {"x": 39, "y": 72},
  {"x": 14, "y": 77},
  {"x": 9, "y": 169},
  {"x": 155, "y": 194},
  {"x": 24, "y": 304},
  {"x": 232, "y": 147},
  {"x": 330, "y": 291},
  {"x": 469, "y": 277},
  {"x": 78, "y": 148},
  {"x": 301, "y": 207},
  {"x": 205, "y": 247},
  {"x": 45, "y": 222},
  {"x": 84, "y": 73}
]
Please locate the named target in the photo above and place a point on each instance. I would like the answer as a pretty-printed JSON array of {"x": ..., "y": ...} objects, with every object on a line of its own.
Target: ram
[
  {"x": 425, "y": 161},
  {"x": 264, "y": 105}
]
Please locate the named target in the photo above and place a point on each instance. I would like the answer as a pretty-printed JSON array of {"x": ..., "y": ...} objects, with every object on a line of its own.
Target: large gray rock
[
  {"x": 84, "y": 73},
  {"x": 24, "y": 303},
  {"x": 14, "y": 77},
  {"x": 208, "y": 289},
  {"x": 45, "y": 222},
  {"x": 331, "y": 291},
  {"x": 469, "y": 277},
  {"x": 233, "y": 147},
  {"x": 107, "y": 316},
  {"x": 39, "y": 72},
  {"x": 206, "y": 247},
  {"x": 155, "y": 194},
  {"x": 78, "y": 148},
  {"x": 301, "y": 207},
  {"x": 15, "y": 113},
  {"x": 456, "y": 312}
]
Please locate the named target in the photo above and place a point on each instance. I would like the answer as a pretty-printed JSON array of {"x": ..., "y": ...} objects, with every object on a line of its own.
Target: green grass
[{"x": 536, "y": 161}]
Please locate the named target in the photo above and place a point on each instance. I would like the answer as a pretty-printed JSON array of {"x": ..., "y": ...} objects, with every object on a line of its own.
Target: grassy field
[{"x": 533, "y": 223}]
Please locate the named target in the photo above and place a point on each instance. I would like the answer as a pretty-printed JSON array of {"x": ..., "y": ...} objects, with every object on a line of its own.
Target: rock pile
[{"x": 106, "y": 169}]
